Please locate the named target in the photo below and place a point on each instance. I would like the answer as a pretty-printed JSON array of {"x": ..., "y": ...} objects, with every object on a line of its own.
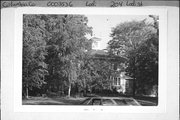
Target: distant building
[
  {"x": 119, "y": 80},
  {"x": 95, "y": 42},
  {"x": 122, "y": 83}
]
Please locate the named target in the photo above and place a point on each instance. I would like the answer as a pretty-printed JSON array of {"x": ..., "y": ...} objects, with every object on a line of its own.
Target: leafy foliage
[
  {"x": 34, "y": 67},
  {"x": 56, "y": 54},
  {"x": 55, "y": 43},
  {"x": 137, "y": 41}
]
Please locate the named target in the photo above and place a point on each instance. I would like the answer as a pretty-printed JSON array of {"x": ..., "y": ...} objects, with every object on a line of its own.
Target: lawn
[
  {"x": 52, "y": 101},
  {"x": 75, "y": 101}
]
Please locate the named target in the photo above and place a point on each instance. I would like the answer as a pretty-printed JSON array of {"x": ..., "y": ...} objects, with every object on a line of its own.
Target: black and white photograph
[
  {"x": 90, "y": 63},
  {"x": 90, "y": 60}
]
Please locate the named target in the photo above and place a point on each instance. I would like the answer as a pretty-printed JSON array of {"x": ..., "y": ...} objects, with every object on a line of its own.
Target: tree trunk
[
  {"x": 134, "y": 77},
  {"x": 62, "y": 90},
  {"x": 27, "y": 96},
  {"x": 69, "y": 90},
  {"x": 134, "y": 87}
]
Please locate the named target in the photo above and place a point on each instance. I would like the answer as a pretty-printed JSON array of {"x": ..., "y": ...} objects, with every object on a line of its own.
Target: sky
[{"x": 102, "y": 25}]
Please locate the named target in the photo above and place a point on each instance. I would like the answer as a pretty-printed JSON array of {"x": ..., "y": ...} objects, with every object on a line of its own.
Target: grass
[
  {"x": 145, "y": 101},
  {"x": 52, "y": 101}
]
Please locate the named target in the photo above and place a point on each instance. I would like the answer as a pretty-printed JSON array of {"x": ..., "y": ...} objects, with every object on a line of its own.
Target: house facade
[{"x": 120, "y": 82}]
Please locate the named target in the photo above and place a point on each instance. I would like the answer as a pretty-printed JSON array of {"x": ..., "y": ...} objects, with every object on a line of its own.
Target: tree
[
  {"x": 34, "y": 67},
  {"x": 93, "y": 73},
  {"x": 127, "y": 40},
  {"x": 146, "y": 65},
  {"x": 53, "y": 44},
  {"x": 66, "y": 45},
  {"x": 147, "y": 59}
]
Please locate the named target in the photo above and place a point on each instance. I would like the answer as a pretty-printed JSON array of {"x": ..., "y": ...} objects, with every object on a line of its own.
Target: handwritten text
[
  {"x": 17, "y": 4},
  {"x": 59, "y": 4},
  {"x": 118, "y": 3}
]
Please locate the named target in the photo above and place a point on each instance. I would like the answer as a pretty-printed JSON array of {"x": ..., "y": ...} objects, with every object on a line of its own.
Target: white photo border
[{"x": 162, "y": 92}]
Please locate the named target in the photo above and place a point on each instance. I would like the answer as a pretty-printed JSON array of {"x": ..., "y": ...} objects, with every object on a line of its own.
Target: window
[
  {"x": 119, "y": 81},
  {"x": 115, "y": 81}
]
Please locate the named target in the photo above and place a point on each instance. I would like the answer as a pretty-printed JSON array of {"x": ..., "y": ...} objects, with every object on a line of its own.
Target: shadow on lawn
[
  {"x": 52, "y": 101},
  {"x": 69, "y": 101},
  {"x": 43, "y": 103}
]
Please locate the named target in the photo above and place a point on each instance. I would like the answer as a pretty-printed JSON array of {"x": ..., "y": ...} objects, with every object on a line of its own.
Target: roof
[
  {"x": 103, "y": 55},
  {"x": 124, "y": 76},
  {"x": 98, "y": 52},
  {"x": 96, "y": 39}
]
